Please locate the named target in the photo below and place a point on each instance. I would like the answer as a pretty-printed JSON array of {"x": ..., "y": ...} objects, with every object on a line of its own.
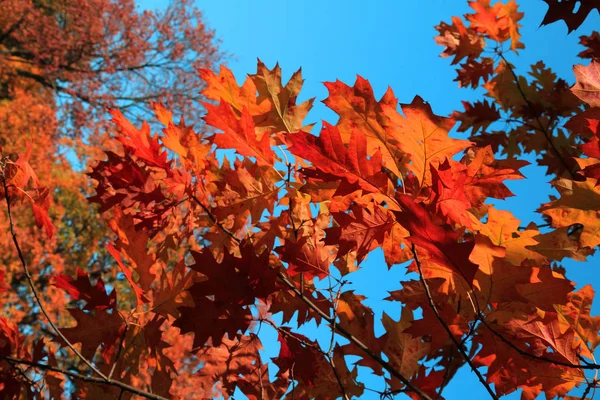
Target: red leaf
[
  {"x": 440, "y": 241},
  {"x": 238, "y": 133},
  {"x": 82, "y": 289},
  {"x": 330, "y": 156}
]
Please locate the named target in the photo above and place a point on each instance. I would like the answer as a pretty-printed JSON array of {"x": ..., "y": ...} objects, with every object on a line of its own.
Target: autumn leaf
[
  {"x": 587, "y": 86},
  {"x": 423, "y": 136},
  {"x": 82, "y": 289},
  {"x": 330, "y": 157},
  {"x": 576, "y": 205},
  {"x": 99, "y": 328},
  {"x": 573, "y": 13},
  {"x": 223, "y": 87},
  {"x": 359, "y": 111},
  {"x": 238, "y": 133},
  {"x": 285, "y": 115},
  {"x": 440, "y": 242}
]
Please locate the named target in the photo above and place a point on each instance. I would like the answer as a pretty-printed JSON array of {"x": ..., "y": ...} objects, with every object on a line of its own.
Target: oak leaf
[
  {"x": 359, "y": 111},
  {"x": 423, "y": 136},
  {"x": 587, "y": 85}
]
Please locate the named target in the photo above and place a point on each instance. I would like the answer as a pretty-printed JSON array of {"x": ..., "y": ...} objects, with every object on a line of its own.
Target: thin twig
[
  {"x": 215, "y": 221},
  {"x": 119, "y": 351},
  {"x": 342, "y": 331},
  {"x": 32, "y": 286},
  {"x": 591, "y": 384},
  {"x": 337, "y": 377},
  {"x": 316, "y": 348},
  {"x": 447, "y": 328},
  {"x": 84, "y": 378}
]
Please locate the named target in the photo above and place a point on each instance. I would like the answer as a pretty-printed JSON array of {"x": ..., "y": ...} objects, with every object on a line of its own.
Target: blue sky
[{"x": 390, "y": 43}]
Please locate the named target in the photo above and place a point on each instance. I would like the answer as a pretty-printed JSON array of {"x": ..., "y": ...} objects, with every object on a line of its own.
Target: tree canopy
[{"x": 257, "y": 220}]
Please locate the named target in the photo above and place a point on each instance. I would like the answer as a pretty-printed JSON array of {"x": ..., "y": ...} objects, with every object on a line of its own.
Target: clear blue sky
[{"x": 389, "y": 43}]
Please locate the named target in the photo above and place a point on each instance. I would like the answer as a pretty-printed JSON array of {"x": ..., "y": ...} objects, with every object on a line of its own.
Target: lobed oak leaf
[
  {"x": 423, "y": 136},
  {"x": 543, "y": 332},
  {"x": 428, "y": 383},
  {"x": 572, "y": 12},
  {"x": 440, "y": 241},
  {"x": 587, "y": 83},
  {"x": 432, "y": 332},
  {"x": 133, "y": 244},
  {"x": 503, "y": 230},
  {"x": 576, "y": 312},
  {"x": 507, "y": 93},
  {"x": 289, "y": 305},
  {"x": 448, "y": 196},
  {"x": 499, "y": 22},
  {"x": 395, "y": 249},
  {"x": 473, "y": 71},
  {"x": 486, "y": 175},
  {"x": 99, "y": 328},
  {"x": 331, "y": 157},
  {"x": 316, "y": 379},
  {"x": 214, "y": 321},
  {"x": 225, "y": 293},
  {"x": 477, "y": 116},
  {"x": 362, "y": 230},
  {"x": 510, "y": 370},
  {"x": 403, "y": 349},
  {"x": 247, "y": 189},
  {"x": 240, "y": 280},
  {"x": 545, "y": 288},
  {"x": 40, "y": 205},
  {"x": 359, "y": 319},
  {"x": 225, "y": 365},
  {"x": 170, "y": 293},
  {"x": 577, "y": 204},
  {"x": 459, "y": 41},
  {"x": 82, "y": 289},
  {"x": 359, "y": 111},
  {"x": 139, "y": 141},
  {"x": 309, "y": 254},
  {"x": 558, "y": 244},
  {"x": 140, "y": 294},
  {"x": 238, "y": 133},
  {"x": 413, "y": 294},
  {"x": 592, "y": 44},
  {"x": 24, "y": 170},
  {"x": 224, "y": 87},
  {"x": 285, "y": 115}
]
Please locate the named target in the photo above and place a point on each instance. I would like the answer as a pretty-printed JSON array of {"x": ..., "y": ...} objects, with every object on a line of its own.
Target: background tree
[
  {"x": 62, "y": 65},
  {"x": 214, "y": 251}
]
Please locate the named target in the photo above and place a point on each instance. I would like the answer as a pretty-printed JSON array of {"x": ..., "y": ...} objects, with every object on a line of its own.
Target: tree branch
[
  {"x": 84, "y": 378},
  {"x": 342, "y": 331},
  {"x": 542, "y": 129},
  {"x": 214, "y": 220},
  {"x": 447, "y": 328},
  {"x": 32, "y": 286}
]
